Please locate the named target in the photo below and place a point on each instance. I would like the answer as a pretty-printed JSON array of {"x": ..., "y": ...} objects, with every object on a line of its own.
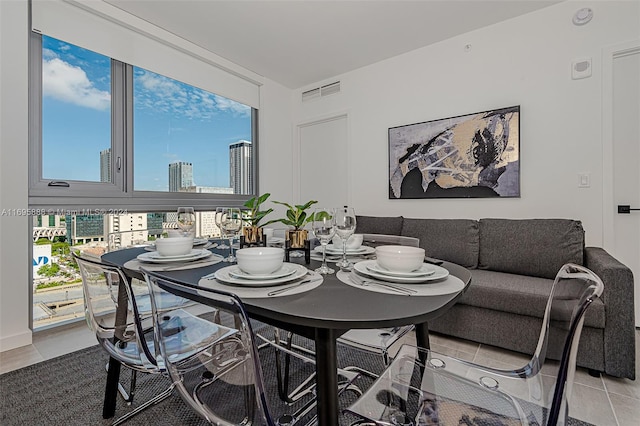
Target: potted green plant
[
  {"x": 296, "y": 217},
  {"x": 253, "y": 216}
]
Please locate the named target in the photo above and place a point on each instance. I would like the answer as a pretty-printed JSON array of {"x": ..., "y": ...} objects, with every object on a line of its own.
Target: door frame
[
  {"x": 297, "y": 165},
  {"x": 609, "y": 54}
]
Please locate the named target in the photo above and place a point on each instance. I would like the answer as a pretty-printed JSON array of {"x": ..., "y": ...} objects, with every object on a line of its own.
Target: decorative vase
[
  {"x": 296, "y": 238},
  {"x": 252, "y": 234}
]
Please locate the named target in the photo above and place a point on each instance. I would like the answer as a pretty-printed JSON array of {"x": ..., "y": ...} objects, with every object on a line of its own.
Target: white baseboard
[{"x": 16, "y": 340}]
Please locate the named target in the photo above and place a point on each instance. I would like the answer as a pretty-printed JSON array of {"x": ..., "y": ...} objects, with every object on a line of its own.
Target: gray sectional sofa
[{"x": 513, "y": 265}]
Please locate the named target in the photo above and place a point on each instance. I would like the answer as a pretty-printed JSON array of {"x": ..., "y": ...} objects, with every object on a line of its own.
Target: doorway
[
  {"x": 323, "y": 151},
  {"x": 621, "y": 136}
]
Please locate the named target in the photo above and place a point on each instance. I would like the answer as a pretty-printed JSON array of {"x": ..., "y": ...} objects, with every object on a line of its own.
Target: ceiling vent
[{"x": 326, "y": 90}]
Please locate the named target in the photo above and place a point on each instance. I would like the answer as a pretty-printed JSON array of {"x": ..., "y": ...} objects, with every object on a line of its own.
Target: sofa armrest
[{"x": 618, "y": 297}]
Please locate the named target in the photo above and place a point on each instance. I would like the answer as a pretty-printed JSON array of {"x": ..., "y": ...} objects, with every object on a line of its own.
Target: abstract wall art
[{"x": 468, "y": 156}]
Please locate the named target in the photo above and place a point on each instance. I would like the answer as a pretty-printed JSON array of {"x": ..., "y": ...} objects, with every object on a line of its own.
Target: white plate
[
  {"x": 154, "y": 256},
  {"x": 285, "y": 270},
  {"x": 362, "y": 250},
  {"x": 157, "y": 255},
  {"x": 224, "y": 276},
  {"x": 424, "y": 270},
  {"x": 196, "y": 242},
  {"x": 438, "y": 274}
]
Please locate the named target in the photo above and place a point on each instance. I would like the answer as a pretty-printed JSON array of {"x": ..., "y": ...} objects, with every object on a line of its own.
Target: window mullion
[{"x": 118, "y": 125}]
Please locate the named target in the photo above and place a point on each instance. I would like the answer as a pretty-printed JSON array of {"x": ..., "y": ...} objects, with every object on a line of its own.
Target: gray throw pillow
[
  {"x": 454, "y": 240},
  {"x": 534, "y": 247}
]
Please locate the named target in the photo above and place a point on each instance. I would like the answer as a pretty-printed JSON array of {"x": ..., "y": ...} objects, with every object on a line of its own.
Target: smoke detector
[{"x": 582, "y": 16}]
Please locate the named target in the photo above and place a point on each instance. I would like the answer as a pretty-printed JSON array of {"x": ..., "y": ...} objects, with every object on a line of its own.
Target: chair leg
[
  {"x": 155, "y": 400},
  {"x": 127, "y": 396}
]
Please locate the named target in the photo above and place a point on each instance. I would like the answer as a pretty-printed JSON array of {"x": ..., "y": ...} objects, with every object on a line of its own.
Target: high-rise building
[
  {"x": 84, "y": 228},
  {"x": 208, "y": 189},
  {"x": 241, "y": 167},
  {"x": 131, "y": 229},
  {"x": 105, "y": 165},
  {"x": 180, "y": 176}
]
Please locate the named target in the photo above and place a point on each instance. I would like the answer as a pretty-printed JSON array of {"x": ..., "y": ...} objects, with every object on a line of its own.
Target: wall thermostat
[{"x": 581, "y": 68}]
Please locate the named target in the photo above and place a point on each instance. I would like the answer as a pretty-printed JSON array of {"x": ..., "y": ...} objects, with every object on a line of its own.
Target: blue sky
[{"x": 172, "y": 122}]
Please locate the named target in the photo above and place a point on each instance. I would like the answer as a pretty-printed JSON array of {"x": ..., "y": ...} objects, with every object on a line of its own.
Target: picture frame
[{"x": 468, "y": 156}]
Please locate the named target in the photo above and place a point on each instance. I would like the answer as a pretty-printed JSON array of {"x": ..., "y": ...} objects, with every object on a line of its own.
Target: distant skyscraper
[
  {"x": 241, "y": 167},
  {"x": 180, "y": 176},
  {"x": 105, "y": 165}
]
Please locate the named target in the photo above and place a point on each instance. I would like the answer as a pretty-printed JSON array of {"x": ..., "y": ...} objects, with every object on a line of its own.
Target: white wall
[
  {"x": 15, "y": 241},
  {"x": 276, "y": 160},
  {"x": 524, "y": 61},
  {"x": 15, "y": 262}
]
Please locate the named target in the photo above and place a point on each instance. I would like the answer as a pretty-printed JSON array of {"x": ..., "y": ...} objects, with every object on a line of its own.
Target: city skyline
[{"x": 173, "y": 122}]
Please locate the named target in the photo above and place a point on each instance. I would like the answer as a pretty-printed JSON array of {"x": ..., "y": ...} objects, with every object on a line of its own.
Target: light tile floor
[{"x": 602, "y": 401}]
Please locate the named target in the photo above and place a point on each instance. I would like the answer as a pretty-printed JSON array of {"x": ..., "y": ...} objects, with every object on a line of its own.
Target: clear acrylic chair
[
  {"x": 378, "y": 340},
  {"x": 121, "y": 329},
  {"x": 422, "y": 387},
  {"x": 222, "y": 380}
]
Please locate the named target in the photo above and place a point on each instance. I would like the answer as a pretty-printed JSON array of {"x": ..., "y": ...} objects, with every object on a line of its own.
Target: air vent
[
  {"x": 311, "y": 94},
  {"x": 326, "y": 90},
  {"x": 330, "y": 89}
]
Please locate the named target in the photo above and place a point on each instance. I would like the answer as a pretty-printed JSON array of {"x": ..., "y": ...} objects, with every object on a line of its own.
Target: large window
[
  {"x": 57, "y": 284},
  {"x": 184, "y": 137},
  {"x": 76, "y": 111},
  {"x": 114, "y": 135}
]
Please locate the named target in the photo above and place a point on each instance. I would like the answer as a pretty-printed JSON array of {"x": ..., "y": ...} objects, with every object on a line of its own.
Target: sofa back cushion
[
  {"x": 455, "y": 240},
  {"x": 378, "y": 225},
  {"x": 535, "y": 247}
]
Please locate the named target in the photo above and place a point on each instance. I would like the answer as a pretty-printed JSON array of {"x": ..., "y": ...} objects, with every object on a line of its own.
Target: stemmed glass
[
  {"x": 186, "y": 220},
  {"x": 231, "y": 221},
  {"x": 218, "y": 221},
  {"x": 345, "y": 227},
  {"x": 324, "y": 229}
]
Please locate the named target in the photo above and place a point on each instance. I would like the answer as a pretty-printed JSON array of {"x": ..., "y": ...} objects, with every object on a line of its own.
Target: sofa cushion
[
  {"x": 455, "y": 240},
  {"x": 378, "y": 225},
  {"x": 519, "y": 294},
  {"x": 534, "y": 247}
]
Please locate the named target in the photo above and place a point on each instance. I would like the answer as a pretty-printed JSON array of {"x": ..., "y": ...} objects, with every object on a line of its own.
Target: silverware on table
[
  {"x": 357, "y": 279},
  {"x": 296, "y": 285},
  {"x": 208, "y": 276}
]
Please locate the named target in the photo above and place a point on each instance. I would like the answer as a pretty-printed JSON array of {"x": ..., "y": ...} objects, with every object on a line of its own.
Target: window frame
[{"x": 119, "y": 194}]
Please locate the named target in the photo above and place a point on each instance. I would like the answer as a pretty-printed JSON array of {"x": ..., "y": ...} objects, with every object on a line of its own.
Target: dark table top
[{"x": 332, "y": 305}]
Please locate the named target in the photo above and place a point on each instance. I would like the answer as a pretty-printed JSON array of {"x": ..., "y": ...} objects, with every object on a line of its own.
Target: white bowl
[
  {"x": 399, "y": 258},
  {"x": 260, "y": 260},
  {"x": 354, "y": 242},
  {"x": 175, "y": 246},
  {"x": 174, "y": 233}
]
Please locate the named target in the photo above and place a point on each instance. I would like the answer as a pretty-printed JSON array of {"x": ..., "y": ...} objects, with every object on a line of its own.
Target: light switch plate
[{"x": 584, "y": 180}]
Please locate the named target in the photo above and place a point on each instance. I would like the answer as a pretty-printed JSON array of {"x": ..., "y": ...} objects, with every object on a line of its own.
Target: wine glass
[
  {"x": 345, "y": 227},
  {"x": 218, "y": 221},
  {"x": 231, "y": 221},
  {"x": 186, "y": 220},
  {"x": 323, "y": 226}
]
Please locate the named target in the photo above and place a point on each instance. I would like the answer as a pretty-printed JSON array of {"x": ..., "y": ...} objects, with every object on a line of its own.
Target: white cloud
[
  {"x": 225, "y": 104},
  {"x": 164, "y": 94},
  {"x": 69, "y": 83}
]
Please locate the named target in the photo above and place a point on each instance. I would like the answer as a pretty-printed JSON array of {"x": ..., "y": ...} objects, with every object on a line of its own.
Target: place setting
[
  {"x": 338, "y": 242},
  {"x": 401, "y": 270},
  {"x": 262, "y": 272},
  {"x": 179, "y": 250}
]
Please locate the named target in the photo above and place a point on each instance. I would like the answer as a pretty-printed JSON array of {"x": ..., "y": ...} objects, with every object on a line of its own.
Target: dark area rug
[{"x": 69, "y": 390}]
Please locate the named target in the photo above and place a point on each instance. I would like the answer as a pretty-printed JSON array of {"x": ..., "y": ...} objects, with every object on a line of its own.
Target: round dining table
[{"x": 324, "y": 313}]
